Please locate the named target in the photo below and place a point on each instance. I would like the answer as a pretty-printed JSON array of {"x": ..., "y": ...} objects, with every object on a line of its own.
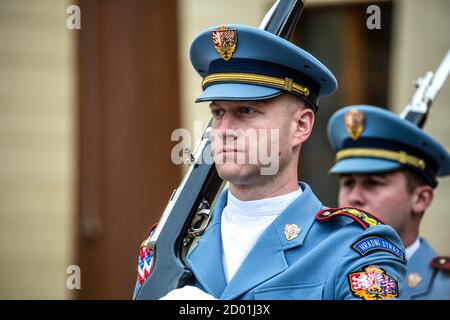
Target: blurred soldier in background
[{"x": 389, "y": 166}]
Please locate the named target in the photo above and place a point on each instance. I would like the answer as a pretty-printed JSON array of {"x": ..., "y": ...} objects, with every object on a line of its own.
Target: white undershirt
[
  {"x": 243, "y": 222},
  {"x": 412, "y": 249}
]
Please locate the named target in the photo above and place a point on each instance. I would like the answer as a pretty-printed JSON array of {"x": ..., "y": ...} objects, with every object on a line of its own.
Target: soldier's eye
[
  {"x": 374, "y": 183},
  {"x": 246, "y": 110},
  {"x": 347, "y": 183},
  {"x": 217, "y": 113}
]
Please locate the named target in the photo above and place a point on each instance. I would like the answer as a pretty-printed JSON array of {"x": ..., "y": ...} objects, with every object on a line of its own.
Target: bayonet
[{"x": 427, "y": 90}]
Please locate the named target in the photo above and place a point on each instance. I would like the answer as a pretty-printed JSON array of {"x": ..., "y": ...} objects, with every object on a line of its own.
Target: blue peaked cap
[
  {"x": 239, "y": 62},
  {"x": 369, "y": 139}
]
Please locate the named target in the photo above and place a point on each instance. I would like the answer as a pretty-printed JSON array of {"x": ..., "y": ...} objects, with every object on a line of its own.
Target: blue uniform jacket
[
  {"x": 319, "y": 263},
  {"x": 434, "y": 284}
]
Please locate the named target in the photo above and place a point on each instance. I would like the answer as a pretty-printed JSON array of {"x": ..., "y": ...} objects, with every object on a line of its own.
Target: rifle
[
  {"x": 188, "y": 212},
  {"x": 427, "y": 89}
]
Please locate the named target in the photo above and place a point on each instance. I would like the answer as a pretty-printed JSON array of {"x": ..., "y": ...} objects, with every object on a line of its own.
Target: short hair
[
  {"x": 414, "y": 180},
  {"x": 294, "y": 102}
]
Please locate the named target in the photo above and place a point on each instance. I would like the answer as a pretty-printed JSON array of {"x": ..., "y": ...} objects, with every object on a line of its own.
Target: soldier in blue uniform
[
  {"x": 389, "y": 166},
  {"x": 270, "y": 236}
]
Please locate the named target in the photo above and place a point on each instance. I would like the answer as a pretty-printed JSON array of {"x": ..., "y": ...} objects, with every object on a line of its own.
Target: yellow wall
[{"x": 36, "y": 148}]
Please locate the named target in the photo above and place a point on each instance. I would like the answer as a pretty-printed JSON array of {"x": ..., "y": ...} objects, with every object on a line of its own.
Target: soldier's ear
[
  {"x": 422, "y": 198},
  {"x": 304, "y": 122}
]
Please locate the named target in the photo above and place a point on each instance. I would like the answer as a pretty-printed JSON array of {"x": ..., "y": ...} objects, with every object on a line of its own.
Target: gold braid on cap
[
  {"x": 285, "y": 84},
  {"x": 399, "y": 156}
]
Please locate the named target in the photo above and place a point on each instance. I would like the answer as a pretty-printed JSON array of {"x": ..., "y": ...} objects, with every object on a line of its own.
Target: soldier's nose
[
  {"x": 356, "y": 198},
  {"x": 226, "y": 126}
]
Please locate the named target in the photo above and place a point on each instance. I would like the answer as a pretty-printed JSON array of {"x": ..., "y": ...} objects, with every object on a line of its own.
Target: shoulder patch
[
  {"x": 365, "y": 219},
  {"x": 145, "y": 259},
  {"x": 441, "y": 263},
  {"x": 372, "y": 244},
  {"x": 373, "y": 283}
]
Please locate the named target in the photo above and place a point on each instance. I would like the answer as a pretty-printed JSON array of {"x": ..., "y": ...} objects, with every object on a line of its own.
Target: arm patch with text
[{"x": 372, "y": 244}]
